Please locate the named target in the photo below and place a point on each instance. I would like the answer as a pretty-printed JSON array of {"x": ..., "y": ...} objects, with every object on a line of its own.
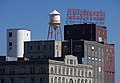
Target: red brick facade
[{"x": 109, "y": 64}]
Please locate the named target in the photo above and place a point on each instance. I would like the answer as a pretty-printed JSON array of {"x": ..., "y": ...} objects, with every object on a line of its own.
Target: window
[
  {"x": 82, "y": 81},
  {"x": 89, "y": 81},
  {"x": 92, "y": 58},
  {"x": 89, "y": 48},
  {"x": 59, "y": 80},
  {"x": 75, "y": 71},
  {"x": 39, "y": 57},
  {"x": 96, "y": 58},
  {"x": 74, "y": 61},
  {"x": 10, "y": 34},
  {"x": 110, "y": 50},
  {"x": 67, "y": 61},
  {"x": 66, "y": 81},
  {"x": 42, "y": 80},
  {"x": 93, "y": 48},
  {"x": 86, "y": 73},
  {"x": 32, "y": 70},
  {"x": 82, "y": 73},
  {"x": 63, "y": 80},
  {"x": 71, "y": 71},
  {"x": 32, "y": 80},
  {"x": 2, "y": 71},
  {"x": 10, "y": 48},
  {"x": 103, "y": 33},
  {"x": 51, "y": 71},
  {"x": 31, "y": 47},
  {"x": 57, "y": 53},
  {"x": 71, "y": 61},
  {"x": 107, "y": 50},
  {"x": 50, "y": 47},
  {"x": 100, "y": 39},
  {"x": 67, "y": 32},
  {"x": 78, "y": 81},
  {"x": 55, "y": 69},
  {"x": 10, "y": 44},
  {"x": 90, "y": 75},
  {"x": 12, "y": 71},
  {"x": 99, "y": 69},
  {"x": 99, "y": 50},
  {"x": 44, "y": 47},
  {"x": 59, "y": 70},
  {"x": 2, "y": 80},
  {"x": 27, "y": 34},
  {"x": 22, "y": 70},
  {"x": 42, "y": 70},
  {"x": 38, "y": 47},
  {"x": 56, "y": 47},
  {"x": 22, "y": 80},
  {"x": 31, "y": 57},
  {"x": 85, "y": 80},
  {"x": 86, "y": 48},
  {"x": 12, "y": 80},
  {"x": 99, "y": 59},
  {"x": 89, "y": 57},
  {"x": 51, "y": 79},
  {"x": 63, "y": 70},
  {"x": 71, "y": 81},
  {"x": 67, "y": 71},
  {"x": 55, "y": 80}
]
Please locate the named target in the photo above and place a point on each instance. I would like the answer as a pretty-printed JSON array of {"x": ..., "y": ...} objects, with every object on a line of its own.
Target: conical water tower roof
[{"x": 54, "y": 12}]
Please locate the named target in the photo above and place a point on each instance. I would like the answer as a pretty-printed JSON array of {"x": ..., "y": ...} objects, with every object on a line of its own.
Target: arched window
[
  {"x": 90, "y": 81},
  {"x": 59, "y": 70},
  {"x": 82, "y": 73},
  {"x": 86, "y": 73},
  {"x": 67, "y": 71},
  {"x": 74, "y": 71},
  {"x": 42, "y": 70},
  {"x": 82, "y": 81},
  {"x": 85, "y": 80},
  {"x": 63, "y": 70},
  {"x": 90, "y": 75},
  {"x": 59, "y": 80},
  {"x": 55, "y": 80},
  {"x": 71, "y": 81},
  {"x": 78, "y": 81},
  {"x": 51, "y": 79},
  {"x": 63, "y": 80},
  {"x": 51, "y": 70},
  {"x": 71, "y": 71},
  {"x": 66, "y": 81},
  {"x": 55, "y": 69}
]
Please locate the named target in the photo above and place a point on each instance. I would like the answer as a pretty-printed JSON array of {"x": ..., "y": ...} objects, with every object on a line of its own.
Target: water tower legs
[{"x": 54, "y": 34}]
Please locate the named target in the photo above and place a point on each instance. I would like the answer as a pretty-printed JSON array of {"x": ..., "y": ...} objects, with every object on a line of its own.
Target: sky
[{"x": 34, "y": 15}]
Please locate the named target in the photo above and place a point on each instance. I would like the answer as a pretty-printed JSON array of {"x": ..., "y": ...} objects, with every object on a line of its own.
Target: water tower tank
[{"x": 54, "y": 19}]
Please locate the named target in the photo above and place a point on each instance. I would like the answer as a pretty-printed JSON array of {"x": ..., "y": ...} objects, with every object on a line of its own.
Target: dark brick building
[
  {"x": 85, "y": 31},
  {"x": 95, "y": 51}
]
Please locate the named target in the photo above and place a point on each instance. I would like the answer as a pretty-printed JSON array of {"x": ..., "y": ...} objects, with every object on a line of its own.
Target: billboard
[{"x": 78, "y": 16}]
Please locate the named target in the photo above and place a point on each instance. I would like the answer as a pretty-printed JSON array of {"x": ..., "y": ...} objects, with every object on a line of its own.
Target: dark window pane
[
  {"x": 10, "y": 44},
  {"x": 2, "y": 80},
  {"x": 10, "y": 34}
]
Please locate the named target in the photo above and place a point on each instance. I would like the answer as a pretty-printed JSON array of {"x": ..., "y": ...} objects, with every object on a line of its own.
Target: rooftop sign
[{"x": 78, "y": 16}]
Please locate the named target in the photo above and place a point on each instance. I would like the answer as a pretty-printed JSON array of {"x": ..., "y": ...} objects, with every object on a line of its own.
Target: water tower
[{"x": 54, "y": 31}]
